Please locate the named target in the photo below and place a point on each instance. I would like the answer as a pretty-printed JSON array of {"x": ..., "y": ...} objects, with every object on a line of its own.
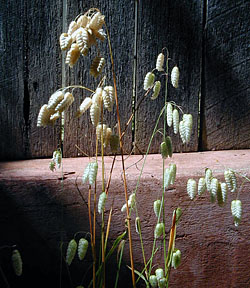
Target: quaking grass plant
[{"x": 84, "y": 33}]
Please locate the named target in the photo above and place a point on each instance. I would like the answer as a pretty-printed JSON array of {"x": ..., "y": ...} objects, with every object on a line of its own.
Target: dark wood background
[{"x": 207, "y": 39}]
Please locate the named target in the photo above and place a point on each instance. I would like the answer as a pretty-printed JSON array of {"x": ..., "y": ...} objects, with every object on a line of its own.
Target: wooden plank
[
  {"x": 43, "y": 71},
  {"x": 30, "y": 72},
  {"x": 12, "y": 144},
  {"x": 119, "y": 16},
  {"x": 177, "y": 26},
  {"x": 226, "y": 122}
]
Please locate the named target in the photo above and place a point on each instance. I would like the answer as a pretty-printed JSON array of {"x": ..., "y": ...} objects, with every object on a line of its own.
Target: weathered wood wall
[{"x": 207, "y": 39}]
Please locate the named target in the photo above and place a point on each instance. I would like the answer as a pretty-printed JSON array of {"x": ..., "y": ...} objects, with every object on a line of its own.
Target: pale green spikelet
[
  {"x": 93, "y": 172},
  {"x": 214, "y": 189},
  {"x": 175, "y": 74},
  {"x": 160, "y": 62},
  {"x": 156, "y": 90},
  {"x": 149, "y": 80},
  {"x": 172, "y": 169},
  {"x": 224, "y": 191},
  {"x": 236, "y": 209},
  {"x": 188, "y": 124},
  {"x": 178, "y": 215},
  {"x": 230, "y": 179},
  {"x": 176, "y": 258},
  {"x": 101, "y": 202},
  {"x": 208, "y": 178},
  {"x": 137, "y": 225},
  {"x": 157, "y": 206},
  {"x": 176, "y": 121},
  {"x": 169, "y": 114},
  {"x": 162, "y": 283},
  {"x": 82, "y": 248},
  {"x": 167, "y": 178},
  {"x": 191, "y": 188},
  {"x": 182, "y": 131},
  {"x": 164, "y": 150},
  {"x": 71, "y": 251},
  {"x": 201, "y": 186},
  {"x": 158, "y": 230},
  {"x": 153, "y": 281},
  {"x": 159, "y": 273},
  {"x": 85, "y": 175},
  {"x": 169, "y": 146},
  {"x": 17, "y": 262}
]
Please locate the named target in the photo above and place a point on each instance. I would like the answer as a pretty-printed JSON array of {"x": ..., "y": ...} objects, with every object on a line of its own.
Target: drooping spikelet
[
  {"x": 153, "y": 281},
  {"x": 137, "y": 225},
  {"x": 172, "y": 171},
  {"x": 156, "y": 90},
  {"x": 82, "y": 248},
  {"x": 160, "y": 62},
  {"x": 208, "y": 178},
  {"x": 101, "y": 202},
  {"x": 157, "y": 206},
  {"x": 164, "y": 151},
  {"x": 97, "y": 96},
  {"x": 158, "y": 230},
  {"x": 96, "y": 21},
  {"x": 176, "y": 258},
  {"x": 108, "y": 97},
  {"x": 43, "y": 118},
  {"x": 191, "y": 188},
  {"x": 73, "y": 26},
  {"x": 224, "y": 191},
  {"x": 162, "y": 283},
  {"x": 71, "y": 251},
  {"x": 65, "y": 103},
  {"x": 55, "y": 99},
  {"x": 101, "y": 130},
  {"x": 82, "y": 21},
  {"x": 188, "y": 123},
  {"x": 95, "y": 112},
  {"x": 87, "y": 102},
  {"x": 82, "y": 40},
  {"x": 159, "y": 273},
  {"x": 97, "y": 66},
  {"x": 93, "y": 172},
  {"x": 236, "y": 209},
  {"x": 57, "y": 158},
  {"x": 54, "y": 117},
  {"x": 175, "y": 74},
  {"x": 17, "y": 262},
  {"x": 214, "y": 189},
  {"x": 72, "y": 55},
  {"x": 65, "y": 41},
  {"x": 85, "y": 175},
  {"x": 167, "y": 178},
  {"x": 107, "y": 137},
  {"x": 169, "y": 114},
  {"x": 149, "y": 80},
  {"x": 201, "y": 186},
  {"x": 169, "y": 146},
  {"x": 182, "y": 131},
  {"x": 176, "y": 121},
  {"x": 221, "y": 197},
  {"x": 230, "y": 179}
]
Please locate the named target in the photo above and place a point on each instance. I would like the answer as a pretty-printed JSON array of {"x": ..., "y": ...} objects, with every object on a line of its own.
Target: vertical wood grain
[
  {"x": 119, "y": 17},
  {"x": 226, "y": 115},
  {"x": 30, "y": 72},
  {"x": 177, "y": 26}
]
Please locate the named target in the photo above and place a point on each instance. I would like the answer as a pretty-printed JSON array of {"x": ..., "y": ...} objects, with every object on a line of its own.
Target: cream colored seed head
[
  {"x": 156, "y": 90},
  {"x": 84, "y": 106},
  {"x": 43, "y": 118},
  {"x": 106, "y": 100},
  {"x": 223, "y": 186},
  {"x": 82, "y": 21},
  {"x": 101, "y": 202},
  {"x": 96, "y": 21},
  {"x": 208, "y": 178},
  {"x": 201, "y": 186},
  {"x": 100, "y": 34},
  {"x": 101, "y": 129},
  {"x": 82, "y": 41},
  {"x": 188, "y": 123},
  {"x": 111, "y": 92},
  {"x": 214, "y": 189},
  {"x": 65, "y": 103},
  {"x": 149, "y": 80},
  {"x": 95, "y": 113},
  {"x": 55, "y": 99},
  {"x": 97, "y": 97},
  {"x": 72, "y": 55},
  {"x": 73, "y": 26},
  {"x": 236, "y": 209},
  {"x": 160, "y": 62},
  {"x": 55, "y": 116},
  {"x": 182, "y": 132},
  {"x": 175, "y": 74},
  {"x": 176, "y": 120},
  {"x": 65, "y": 41}
]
